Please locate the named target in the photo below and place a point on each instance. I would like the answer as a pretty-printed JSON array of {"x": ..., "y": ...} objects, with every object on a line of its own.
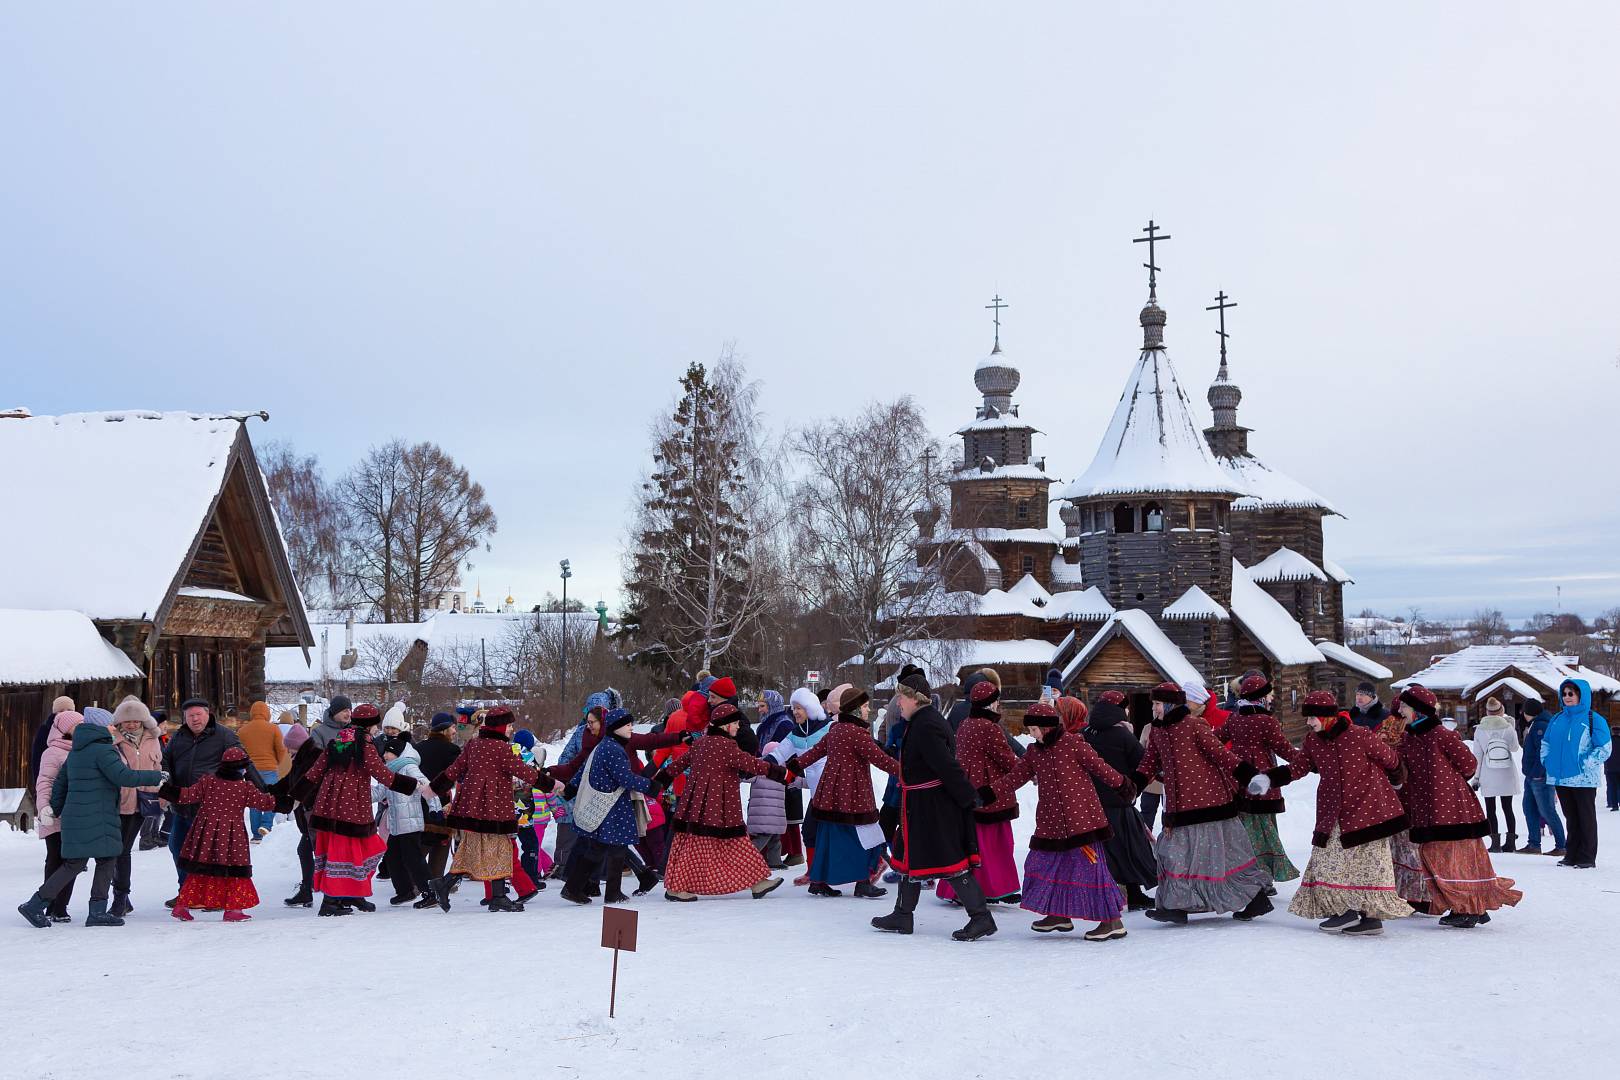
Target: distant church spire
[
  {"x": 1152, "y": 317},
  {"x": 1226, "y": 438},
  {"x": 996, "y": 305}
]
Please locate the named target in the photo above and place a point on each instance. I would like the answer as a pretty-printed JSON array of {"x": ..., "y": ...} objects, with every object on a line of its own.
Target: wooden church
[
  {"x": 1183, "y": 556},
  {"x": 142, "y": 555}
]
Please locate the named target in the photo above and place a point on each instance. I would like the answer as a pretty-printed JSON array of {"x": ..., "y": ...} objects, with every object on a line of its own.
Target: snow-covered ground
[{"x": 794, "y": 986}]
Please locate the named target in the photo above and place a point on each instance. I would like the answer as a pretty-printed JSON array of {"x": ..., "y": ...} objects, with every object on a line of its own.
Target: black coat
[
  {"x": 437, "y": 754},
  {"x": 1373, "y": 717},
  {"x": 1109, "y": 732},
  {"x": 936, "y": 835}
]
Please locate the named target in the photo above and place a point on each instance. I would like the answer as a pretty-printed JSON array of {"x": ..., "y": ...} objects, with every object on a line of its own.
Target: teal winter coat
[
  {"x": 1576, "y": 744},
  {"x": 85, "y": 796}
]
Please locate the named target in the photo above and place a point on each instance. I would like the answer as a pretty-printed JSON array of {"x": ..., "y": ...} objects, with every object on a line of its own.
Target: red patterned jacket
[
  {"x": 1436, "y": 794},
  {"x": 844, "y": 792},
  {"x": 1256, "y": 737},
  {"x": 981, "y": 747},
  {"x": 1201, "y": 776},
  {"x": 711, "y": 805},
  {"x": 1355, "y": 794},
  {"x": 482, "y": 775},
  {"x": 1068, "y": 813},
  {"x": 343, "y": 796},
  {"x": 217, "y": 844}
]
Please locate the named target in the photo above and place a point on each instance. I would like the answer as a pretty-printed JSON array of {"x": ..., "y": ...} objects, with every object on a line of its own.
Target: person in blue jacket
[
  {"x": 602, "y": 846},
  {"x": 1574, "y": 749},
  {"x": 1540, "y": 801}
]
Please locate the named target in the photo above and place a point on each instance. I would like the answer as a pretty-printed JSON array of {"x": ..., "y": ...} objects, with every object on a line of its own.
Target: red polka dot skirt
[{"x": 709, "y": 866}]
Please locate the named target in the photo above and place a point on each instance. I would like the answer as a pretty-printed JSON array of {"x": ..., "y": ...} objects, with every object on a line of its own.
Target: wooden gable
[{"x": 1119, "y": 663}]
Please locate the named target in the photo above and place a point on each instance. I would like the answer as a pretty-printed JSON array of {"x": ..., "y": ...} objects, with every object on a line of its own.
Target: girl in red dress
[{"x": 217, "y": 861}]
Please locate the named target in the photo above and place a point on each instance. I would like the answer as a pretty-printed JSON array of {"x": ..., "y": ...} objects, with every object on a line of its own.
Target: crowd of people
[{"x": 1400, "y": 827}]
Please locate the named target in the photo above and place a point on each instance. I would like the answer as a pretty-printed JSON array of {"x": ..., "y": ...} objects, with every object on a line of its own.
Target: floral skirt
[
  {"x": 1075, "y": 883},
  {"x": 997, "y": 873},
  {"x": 484, "y": 856},
  {"x": 1209, "y": 866},
  {"x": 344, "y": 865},
  {"x": 1340, "y": 879},
  {"x": 1410, "y": 883},
  {"x": 208, "y": 893},
  {"x": 1268, "y": 847},
  {"x": 711, "y": 866},
  {"x": 1460, "y": 876}
]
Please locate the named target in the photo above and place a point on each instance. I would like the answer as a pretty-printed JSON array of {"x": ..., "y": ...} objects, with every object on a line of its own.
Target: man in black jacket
[
  {"x": 1369, "y": 711},
  {"x": 194, "y": 751},
  {"x": 936, "y": 838}
]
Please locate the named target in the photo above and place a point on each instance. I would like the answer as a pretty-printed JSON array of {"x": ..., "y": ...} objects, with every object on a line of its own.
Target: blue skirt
[{"x": 840, "y": 859}]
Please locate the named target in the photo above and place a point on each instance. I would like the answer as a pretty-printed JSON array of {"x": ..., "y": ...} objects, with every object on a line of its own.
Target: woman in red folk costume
[
  {"x": 1206, "y": 862},
  {"x": 849, "y": 842},
  {"x": 981, "y": 747},
  {"x": 1066, "y": 875},
  {"x": 1447, "y": 820},
  {"x": 1256, "y": 737},
  {"x": 347, "y": 848},
  {"x": 712, "y": 854},
  {"x": 1349, "y": 882},
  {"x": 217, "y": 861},
  {"x": 482, "y": 812}
]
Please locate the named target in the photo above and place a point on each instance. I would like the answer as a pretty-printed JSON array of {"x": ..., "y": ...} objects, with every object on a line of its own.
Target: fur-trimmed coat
[
  {"x": 1068, "y": 813},
  {"x": 1436, "y": 794},
  {"x": 1201, "y": 776},
  {"x": 937, "y": 837},
  {"x": 1256, "y": 737},
  {"x": 1355, "y": 794},
  {"x": 217, "y": 843},
  {"x": 482, "y": 775},
  {"x": 844, "y": 793},
  {"x": 711, "y": 804},
  {"x": 981, "y": 747},
  {"x": 343, "y": 796}
]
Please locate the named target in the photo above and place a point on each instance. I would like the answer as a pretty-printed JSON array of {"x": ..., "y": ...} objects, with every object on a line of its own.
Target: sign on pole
[
  {"x": 618, "y": 932},
  {"x": 812, "y": 679}
]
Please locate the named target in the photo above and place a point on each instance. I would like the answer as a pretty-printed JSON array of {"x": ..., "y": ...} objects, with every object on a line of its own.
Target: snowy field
[{"x": 795, "y": 986}]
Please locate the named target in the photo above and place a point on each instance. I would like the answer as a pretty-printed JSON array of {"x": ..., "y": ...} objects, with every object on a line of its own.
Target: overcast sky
[{"x": 509, "y": 227}]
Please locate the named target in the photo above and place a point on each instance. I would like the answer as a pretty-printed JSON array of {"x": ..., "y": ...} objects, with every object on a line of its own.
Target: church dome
[{"x": 997, "y": 379}]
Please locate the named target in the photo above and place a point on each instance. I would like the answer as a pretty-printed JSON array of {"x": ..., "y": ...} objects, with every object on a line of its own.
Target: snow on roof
[
  {"x": 287, "y": 666},
  {"x": 1082, "y": 604},
  {"x": 1285, "y": 564},
  {"x": 1139, "y": 626},
  {"x": 942, "y": 659},
  {"x": 1337, "y": 572},
  {"x": 1001, "y": 472},
  {"x": 1346, "y": 657},
  {"x": 57, "y": 646},
  {"x": 1016, "y": 536},
  {"x": 1269, "y": 489},
  {"x": 1276, "y": 632},
  {"x": 1029, "y": 589},
  {"x": 1195, "y": 603},
  {"x": 1001, "y": 421},
  {"x": 1152, "y": 443},
  {"x": 216, "y": 594},
  {"x": 1513, "y": 683},
  {"x": 1464, "y": 671},
  {"x": 1065, "y": 574},
  {"x": 161, "y": 470}
]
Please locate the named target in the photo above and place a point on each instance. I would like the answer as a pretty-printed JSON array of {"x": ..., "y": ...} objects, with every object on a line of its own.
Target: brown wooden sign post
[{"x": 618, "y": 932}]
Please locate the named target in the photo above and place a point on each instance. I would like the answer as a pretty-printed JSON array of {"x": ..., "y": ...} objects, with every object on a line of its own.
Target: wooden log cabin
[{"x": 156, "y": 531}]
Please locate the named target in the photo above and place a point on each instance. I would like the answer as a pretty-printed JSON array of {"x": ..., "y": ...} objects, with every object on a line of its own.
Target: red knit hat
[
  {"x": 1254, "y": 687},
  {"x": 1319, "y": 703},
  {"x": 1422, "y": 699},
  {"x": 723, "y": 688},
  {"x": 1040, "y": 714},
  {"x": 1170, "y": 693}
]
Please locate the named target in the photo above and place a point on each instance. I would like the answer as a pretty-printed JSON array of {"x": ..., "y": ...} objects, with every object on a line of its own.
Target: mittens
[{"x": 1259, "y": 784}]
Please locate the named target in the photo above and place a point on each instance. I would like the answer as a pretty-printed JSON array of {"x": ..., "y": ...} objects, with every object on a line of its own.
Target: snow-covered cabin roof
[
  {"x": 993, "y": 536},
  {"x": 1139, "y": 626},
  {"x": 1152, "y": 443},
  {"x": 1065, "y": 574},
  {"x": 1286, "y": 564},
  {"x": 942, "y": 659},
  {"x": 1513, "y": 683},
  {"x": 1001, "y": 421},
  {"x": 1027, "y": 588},
  {"x": 57, "y": 647},
  {"x": 162, "y": 471},
  {"x": 1001, "y": 472},
  {"x": 1195, "y": 604},
  {"x": 1081, "y": 604},
  {"x": 1346, "y": 657},
  {"x": 1269, "y": 489},
  {"x": 287, "y": 666},
  {"x": 1276, "y": 632},
  {"x": 1337, "y": 572},
  {"x": 1464, "y": 671}
]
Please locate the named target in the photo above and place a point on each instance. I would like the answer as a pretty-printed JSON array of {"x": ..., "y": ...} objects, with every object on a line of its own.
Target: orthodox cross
[
  {"x": 997, "y": 305},
  {"x": 1221, "y": 305},
  {"x": 1151, "y": 239}
]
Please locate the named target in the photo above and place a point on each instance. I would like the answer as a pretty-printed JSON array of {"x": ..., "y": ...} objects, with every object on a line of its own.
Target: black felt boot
[
  {"x": 499, "y": 901},
  {"x": 899, "y": 920},
  {"x": 581, "y": 879},
  {"x": 980, "y": 923},
  {"x": 613, "y": 873}
]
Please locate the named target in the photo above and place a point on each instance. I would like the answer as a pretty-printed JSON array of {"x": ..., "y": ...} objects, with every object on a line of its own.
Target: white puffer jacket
[
  {"x": 1496, "y": 747},
  {"x": 405, "y": 812}
]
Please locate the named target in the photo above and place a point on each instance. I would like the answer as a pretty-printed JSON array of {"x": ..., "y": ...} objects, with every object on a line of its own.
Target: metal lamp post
[{"x": 566, "y": 574}]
